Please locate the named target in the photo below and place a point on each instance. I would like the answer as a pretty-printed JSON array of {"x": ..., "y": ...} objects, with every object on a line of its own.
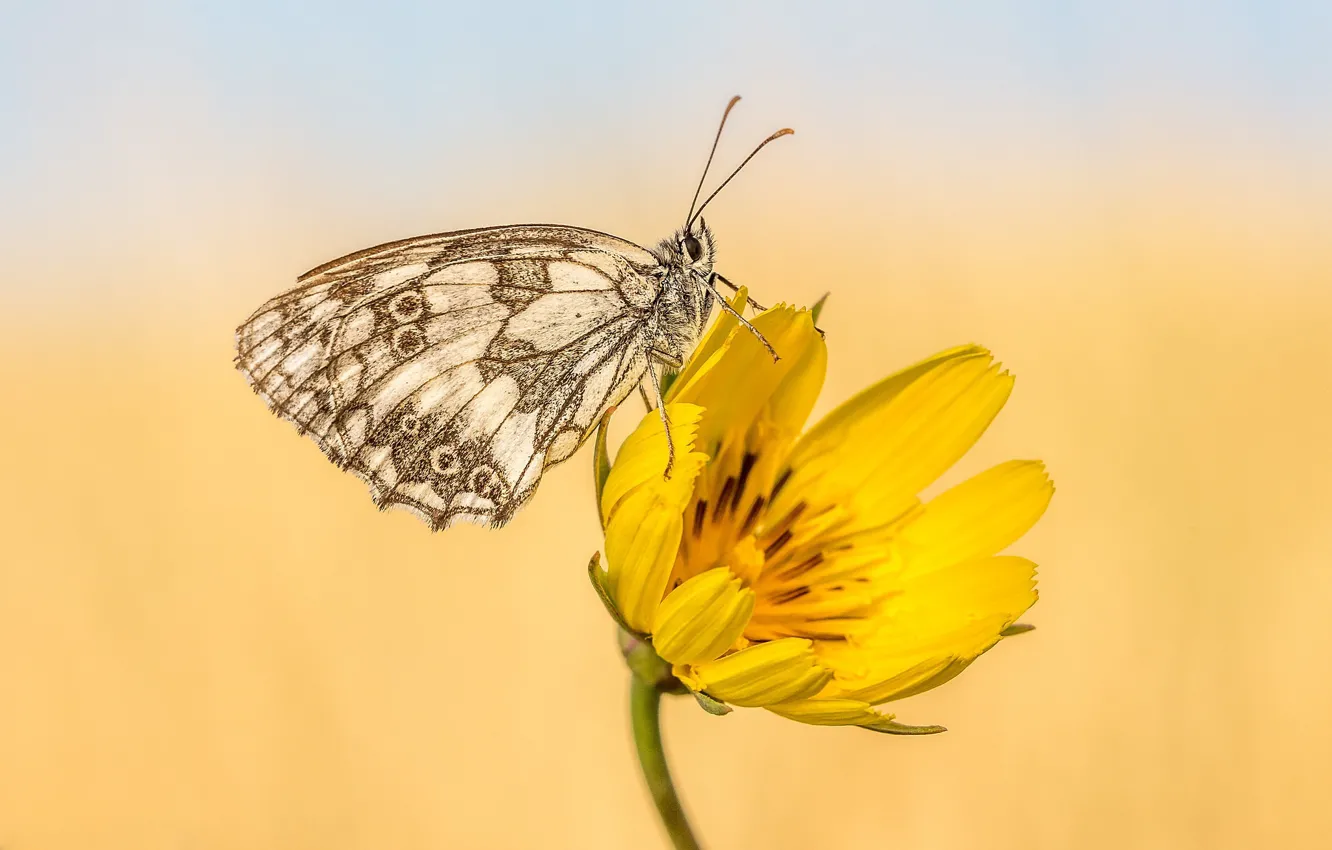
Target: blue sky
[
  {"x": 314, "y": 60},
  {"x": 98, "y": 100}
]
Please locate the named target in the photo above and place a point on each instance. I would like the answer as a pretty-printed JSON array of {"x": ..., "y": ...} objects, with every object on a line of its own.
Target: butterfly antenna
[
  {"x": 785, "y": 131},
  {"x": 717, "y": 139}
]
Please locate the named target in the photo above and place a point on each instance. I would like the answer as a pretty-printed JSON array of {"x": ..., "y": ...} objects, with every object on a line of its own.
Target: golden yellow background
[{"x": 209, "y": 638}]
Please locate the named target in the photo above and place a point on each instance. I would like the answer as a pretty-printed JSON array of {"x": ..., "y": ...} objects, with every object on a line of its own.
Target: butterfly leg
[
  {"x": 753, "y": 305},
  {"x": 668, "y": 360},
  {"x": 726, "y": 305}
]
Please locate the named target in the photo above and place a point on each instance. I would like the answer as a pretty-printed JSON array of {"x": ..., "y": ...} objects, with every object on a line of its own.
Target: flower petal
[
  {"x": 641, "y": 460},
  {"x": 938, "y": 624},
  {"x": 766, "y": 673},
  {"x": 847, "y": 712},
  {"x": 707, "y": 352},
  {"x": 746, "y": 386},
  {"x": 942, "y": 674},
  {"x": 879, "y": 394},
  {"x": 702, "y": 618},
  {"x": 875, "y": 453},
  {"x": 642, "y": 539},
  {"x": 642, "y": 512},
  {"x": 979, "y": 517},
  {"x": 908, "y": 681}
]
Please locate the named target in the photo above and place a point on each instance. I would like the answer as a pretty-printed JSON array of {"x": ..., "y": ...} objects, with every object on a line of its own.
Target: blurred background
[{"x": 209, "y": 638}]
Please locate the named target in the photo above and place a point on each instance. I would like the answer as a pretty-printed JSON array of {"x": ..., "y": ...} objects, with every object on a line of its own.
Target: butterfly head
[{"x": 691, "y": 249}]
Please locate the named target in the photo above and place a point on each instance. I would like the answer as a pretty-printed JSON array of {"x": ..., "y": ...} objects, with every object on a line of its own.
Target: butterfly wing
[{"x": 449, "y": 371}]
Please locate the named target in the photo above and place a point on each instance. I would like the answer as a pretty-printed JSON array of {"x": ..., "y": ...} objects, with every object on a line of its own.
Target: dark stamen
[
  {"x": 789, "y": 596},
  {"x": 814, "y": 634},
  {"x": 802, "y": 567},
  {"x": 788, "y": 520},
  {"x": 700, "y": 514},
  {"x": 746, "y": 466},
  {"x": 724, "y": 498},
  {"x": 775, "y": 546},
  {"x": 781, "y": 482},
  {"x": 753, "y": 516}
]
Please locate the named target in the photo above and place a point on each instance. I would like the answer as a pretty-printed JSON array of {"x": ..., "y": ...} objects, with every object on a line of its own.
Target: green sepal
[
  {"x": 1017, "y": 629},
  {"x": 892, "y": 727},
  {"x": 668, "y": 381},
  {"x": 710, "y": 705},
  {"x": 598, "y": 578},
  {"x": 817, "y": 309},
  {"x": 601, "y": 465},
  {"x": 647, "y": 666}
]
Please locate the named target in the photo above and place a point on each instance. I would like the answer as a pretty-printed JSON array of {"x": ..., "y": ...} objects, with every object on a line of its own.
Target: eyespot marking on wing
[{"x": 397, "y": 359}]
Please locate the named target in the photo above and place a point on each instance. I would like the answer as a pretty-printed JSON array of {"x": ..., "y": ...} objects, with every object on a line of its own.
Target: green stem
[{"x": 645, "y": 708}]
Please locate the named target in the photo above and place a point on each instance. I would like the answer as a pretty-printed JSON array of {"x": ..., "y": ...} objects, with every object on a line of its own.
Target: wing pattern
[{"x": 449, "y": 371}]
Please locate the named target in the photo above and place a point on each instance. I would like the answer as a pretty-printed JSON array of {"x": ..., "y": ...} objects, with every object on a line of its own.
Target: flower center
[
  {"x": 807, "y": 582},
  {"x": 726, "y": 508}
]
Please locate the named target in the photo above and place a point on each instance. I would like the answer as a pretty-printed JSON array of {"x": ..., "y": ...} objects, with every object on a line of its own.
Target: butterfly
[{"x": 449, "y": 371}]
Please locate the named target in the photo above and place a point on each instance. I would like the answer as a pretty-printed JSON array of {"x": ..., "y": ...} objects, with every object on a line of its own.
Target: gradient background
[{"x": 210, "y": 639}]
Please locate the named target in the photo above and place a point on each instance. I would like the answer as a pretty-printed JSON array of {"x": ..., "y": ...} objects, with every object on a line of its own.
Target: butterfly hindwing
[{"x": 448, "y": 371}]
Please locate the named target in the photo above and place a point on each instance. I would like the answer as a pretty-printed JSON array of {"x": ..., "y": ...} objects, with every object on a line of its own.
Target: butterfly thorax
[{"x": 684, "y": 296}]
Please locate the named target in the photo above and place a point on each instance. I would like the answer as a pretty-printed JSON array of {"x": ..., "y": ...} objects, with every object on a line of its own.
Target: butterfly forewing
[{"x": 448, "y": 371}]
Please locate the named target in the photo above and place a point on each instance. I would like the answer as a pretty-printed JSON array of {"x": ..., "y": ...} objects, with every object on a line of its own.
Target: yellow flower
[{"x": 802, "y": 573}]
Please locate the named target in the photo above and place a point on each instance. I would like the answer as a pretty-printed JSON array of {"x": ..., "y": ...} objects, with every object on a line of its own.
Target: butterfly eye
[{"x": 692, "y": 248}]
